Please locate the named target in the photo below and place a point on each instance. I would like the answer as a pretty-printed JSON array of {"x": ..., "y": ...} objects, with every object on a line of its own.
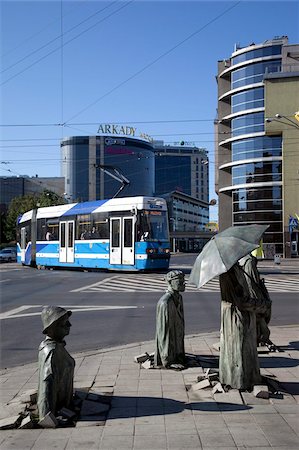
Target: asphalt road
[{"x": 29, "y": 289}]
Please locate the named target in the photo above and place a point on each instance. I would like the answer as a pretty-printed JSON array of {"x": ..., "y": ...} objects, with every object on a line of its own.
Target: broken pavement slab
[
  {"x": 10, "y": 422},
  {"x": 203, "y": 384},
  {"x": 27, "y": 423},
  {"x": 147, "y": 364}
]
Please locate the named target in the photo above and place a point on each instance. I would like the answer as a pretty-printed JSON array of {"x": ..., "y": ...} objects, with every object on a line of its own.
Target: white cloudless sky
[{"x": 82, "y": 63}]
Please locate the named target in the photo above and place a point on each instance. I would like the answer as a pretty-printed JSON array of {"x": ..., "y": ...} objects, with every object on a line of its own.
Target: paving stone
[
  {"x": 218, "y": 388},
  {"x": 26, "y": 423},
  {"x": 90, "y": 408},
  {"x": 248, "y": 435},
  {"x": 91, "y": 421},
  {"x": 293, "y": 421},
  {"x": 116, "y": 443},
  {"x": 203, "y": 384},
  {"x": 155, "y": 442},
  {"x": 9, "y": 422},
  {"x": 214, "y": 438},
  {"x": 183, "y": 441},
  {"x": 280, "y": 435},
  {"x": 29, "y": 396}
]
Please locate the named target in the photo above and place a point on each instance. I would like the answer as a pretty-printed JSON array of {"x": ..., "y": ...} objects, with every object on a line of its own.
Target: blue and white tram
[{"x": 129, "y": 233}]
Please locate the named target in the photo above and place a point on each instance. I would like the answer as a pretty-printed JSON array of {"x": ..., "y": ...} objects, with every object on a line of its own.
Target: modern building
[
  {"x": 11, "y": 187},
  {"x": 84, "y": 156},
  {"x": 188, "y": 219},
  {"x": 251, "y": 169},
  {"x": 182, "y": 168}
]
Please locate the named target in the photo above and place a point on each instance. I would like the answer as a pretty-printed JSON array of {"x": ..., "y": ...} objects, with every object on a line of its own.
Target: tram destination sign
[{"x": 122, "y": 130}]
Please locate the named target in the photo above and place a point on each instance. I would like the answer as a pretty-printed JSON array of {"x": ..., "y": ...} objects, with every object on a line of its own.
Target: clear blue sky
[{"x": 69, "y": 62}]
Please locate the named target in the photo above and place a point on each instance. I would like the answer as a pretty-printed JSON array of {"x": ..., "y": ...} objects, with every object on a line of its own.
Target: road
[{"x": 112, "y": 309}]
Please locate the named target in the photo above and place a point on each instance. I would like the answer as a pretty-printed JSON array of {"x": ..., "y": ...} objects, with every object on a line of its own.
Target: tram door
[
  {"x": 23, "y": 244},
  {"x": 122, "y": 239},
  {"x": 66, "y": 241}
]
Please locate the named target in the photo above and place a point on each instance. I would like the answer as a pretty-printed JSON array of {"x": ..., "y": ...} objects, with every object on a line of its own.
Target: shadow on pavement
[
  {"x": 128, "y": 407},
  {"x": 267, "y": 362}
]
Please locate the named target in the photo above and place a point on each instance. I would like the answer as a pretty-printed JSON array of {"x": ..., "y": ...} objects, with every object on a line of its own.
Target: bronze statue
[
  {"x": 170, "y": 324},
  {"x": 238, "y": 364},
  {"x": 258, "y": 290},
  {"x": 56, "y": 366}
]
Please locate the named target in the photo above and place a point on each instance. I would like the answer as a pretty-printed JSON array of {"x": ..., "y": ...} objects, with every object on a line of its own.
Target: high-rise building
[
  {"x": 250, "y": 173},
  {"x": 82, "y": 157},
  {"x": 182, "y": 168}
]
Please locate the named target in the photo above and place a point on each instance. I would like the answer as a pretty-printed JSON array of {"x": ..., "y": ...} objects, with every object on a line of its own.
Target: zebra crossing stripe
[{"x": 154, "y": 283}]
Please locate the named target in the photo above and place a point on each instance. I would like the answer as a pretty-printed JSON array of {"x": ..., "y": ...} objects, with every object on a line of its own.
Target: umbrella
[{"x": 224, "y": 250}]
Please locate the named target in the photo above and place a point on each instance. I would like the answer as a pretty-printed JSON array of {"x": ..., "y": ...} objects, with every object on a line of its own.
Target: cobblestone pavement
[{"x": 154, "y": 409}]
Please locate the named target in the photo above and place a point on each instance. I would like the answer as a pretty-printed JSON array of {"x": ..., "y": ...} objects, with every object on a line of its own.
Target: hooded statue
[{"x": 170, "y": 325}]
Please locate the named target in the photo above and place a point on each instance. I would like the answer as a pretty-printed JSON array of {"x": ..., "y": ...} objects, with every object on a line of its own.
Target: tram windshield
[{"x": 152, "y": 226}]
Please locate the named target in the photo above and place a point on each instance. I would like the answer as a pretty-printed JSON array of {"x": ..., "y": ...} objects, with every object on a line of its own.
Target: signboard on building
[{"x": 122, "y": 130}]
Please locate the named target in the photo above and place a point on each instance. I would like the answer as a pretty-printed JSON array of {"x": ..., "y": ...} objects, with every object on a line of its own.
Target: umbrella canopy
[{"x": 224, "y": 250}]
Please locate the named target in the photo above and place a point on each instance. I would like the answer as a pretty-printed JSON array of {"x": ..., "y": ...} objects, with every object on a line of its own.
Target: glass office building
[
  {"x": 249, "y": 163},
  {"x": 82, "y": 157},
  {"x": 182, "y": 168}
]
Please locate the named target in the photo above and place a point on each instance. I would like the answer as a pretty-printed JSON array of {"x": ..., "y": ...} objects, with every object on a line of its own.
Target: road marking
[
  {"x": 13, "y": 313},
  {"x": 6, "y": 314},
  {"x": 94, "y": 284},
  {"x": 156, "y": 283},
  {"x": 4, "y": 281}
]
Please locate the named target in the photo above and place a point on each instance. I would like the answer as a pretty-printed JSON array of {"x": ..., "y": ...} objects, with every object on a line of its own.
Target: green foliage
[{"x": 19, "y": 205}]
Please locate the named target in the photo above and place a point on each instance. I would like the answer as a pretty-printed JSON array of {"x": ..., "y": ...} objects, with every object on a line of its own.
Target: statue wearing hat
[
  {"x": 170, "y": 324},
  {"x": 56, "y": 366}
]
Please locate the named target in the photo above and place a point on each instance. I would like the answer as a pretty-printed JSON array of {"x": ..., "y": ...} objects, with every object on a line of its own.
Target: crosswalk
[{"x": 156, "y": 283}]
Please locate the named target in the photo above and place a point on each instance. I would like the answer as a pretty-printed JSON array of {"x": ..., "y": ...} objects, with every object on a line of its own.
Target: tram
[{"x": 129, "y": 233}]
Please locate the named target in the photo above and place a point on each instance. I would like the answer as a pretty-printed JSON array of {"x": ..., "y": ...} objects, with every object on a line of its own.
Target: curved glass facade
[
  {"x": 254, "y": 73},
  {"x": 250, "y": 99},
  {"x": 247, "y": 124},
  {"x": 257, "y": 172},
  {"x": 257, "y": 53},
  {"x": 259, "y": 147},
  {"x": 261, "y": 203}
]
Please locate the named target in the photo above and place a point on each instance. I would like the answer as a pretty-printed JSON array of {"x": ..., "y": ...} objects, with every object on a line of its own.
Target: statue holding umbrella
[{"x": 238, "y": 363}]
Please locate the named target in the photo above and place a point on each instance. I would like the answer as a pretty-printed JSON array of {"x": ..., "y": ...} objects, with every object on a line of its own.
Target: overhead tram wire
[
  {"x": 67, "y": 42},
  {"x": 58, "y": 37},
  {"x": 32, "y": 36},
  {"x": 154, "y": 61}
]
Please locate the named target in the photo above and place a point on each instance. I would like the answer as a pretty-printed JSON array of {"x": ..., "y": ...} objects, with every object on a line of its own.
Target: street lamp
[{"x": 287, "y": 121}]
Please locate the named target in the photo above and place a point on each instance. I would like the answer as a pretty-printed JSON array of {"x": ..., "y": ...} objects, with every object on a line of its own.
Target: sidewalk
[{"x": 153, "y": 409}]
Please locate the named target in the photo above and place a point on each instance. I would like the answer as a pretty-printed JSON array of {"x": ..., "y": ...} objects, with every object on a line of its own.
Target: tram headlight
[{"x": 150, "y": 251}]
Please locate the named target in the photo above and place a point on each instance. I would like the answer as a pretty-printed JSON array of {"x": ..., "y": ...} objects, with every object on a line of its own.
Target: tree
[{"x": 20, "y": 205}]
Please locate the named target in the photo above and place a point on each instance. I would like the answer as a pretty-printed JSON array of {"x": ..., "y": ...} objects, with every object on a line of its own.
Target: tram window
[
  {"x": 71, "y": 234},
  {"x": 115, "y": 233},
  {"x": 47, "y": 230},
  {"x": 62, "y": 235},
  {"x": 83, "y": 226},
  {"x": 128, "y": 238},
  {"x": 100, "y": 230}
]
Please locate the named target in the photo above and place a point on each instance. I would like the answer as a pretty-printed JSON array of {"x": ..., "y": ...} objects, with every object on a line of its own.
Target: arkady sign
[{"x": 122, "y": 130}]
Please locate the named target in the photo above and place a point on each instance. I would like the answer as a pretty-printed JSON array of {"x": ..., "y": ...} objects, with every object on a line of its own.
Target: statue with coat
[
  {"x": 56, "y": 366},
  {"x": 170, "y": 324}
]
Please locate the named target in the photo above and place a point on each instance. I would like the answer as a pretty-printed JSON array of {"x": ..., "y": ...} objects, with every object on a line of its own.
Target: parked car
[{"x": 8, "y": 255}]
